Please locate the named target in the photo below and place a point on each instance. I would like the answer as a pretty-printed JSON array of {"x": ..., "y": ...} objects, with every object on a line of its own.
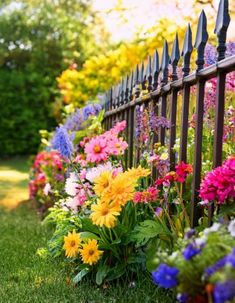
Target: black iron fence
[{"x": 121, "y": 101}]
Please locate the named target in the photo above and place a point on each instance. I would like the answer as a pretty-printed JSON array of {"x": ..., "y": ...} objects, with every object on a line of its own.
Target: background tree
[{"x": 38, "y": 39}]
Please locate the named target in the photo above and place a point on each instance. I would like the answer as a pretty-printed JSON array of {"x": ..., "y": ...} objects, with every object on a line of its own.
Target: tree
[{"x": 38, "y": 39}]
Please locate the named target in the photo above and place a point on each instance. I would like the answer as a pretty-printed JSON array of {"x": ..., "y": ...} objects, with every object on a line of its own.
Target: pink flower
[
  {"x": 116, "y": 146},
  {"x": 150, "y": 195},
  {"x": 80, "y": 160},
  {"x": 182, "y": 170},
  {"x": 47, "y": 189},
  {"x": 219, "y": 184},
  {"x": 96, "y": 149}
]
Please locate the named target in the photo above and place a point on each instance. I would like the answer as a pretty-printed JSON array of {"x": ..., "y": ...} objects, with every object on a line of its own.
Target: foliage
[
  {"x": 202, "y": 264},
  {"x": 38, "y": 40}
]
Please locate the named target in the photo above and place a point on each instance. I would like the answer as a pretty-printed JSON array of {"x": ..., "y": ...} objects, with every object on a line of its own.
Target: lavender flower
[
  {"x": 138, "y": 121},
  {"x": 88, "y": 110},
  {"x": 62, "y": 142},
  {"x": 224, "y": 292},
  {"x": 165, "y": 276}
]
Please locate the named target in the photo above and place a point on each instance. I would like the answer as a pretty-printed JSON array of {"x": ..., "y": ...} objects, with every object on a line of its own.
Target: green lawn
[{"x": 25, "y": 277}]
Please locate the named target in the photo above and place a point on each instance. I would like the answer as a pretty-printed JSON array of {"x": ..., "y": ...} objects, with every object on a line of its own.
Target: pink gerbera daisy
[{"x": 95, "y": 150}]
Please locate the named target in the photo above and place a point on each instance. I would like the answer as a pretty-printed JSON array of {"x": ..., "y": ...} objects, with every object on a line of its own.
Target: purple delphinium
[
  {"x": 224, "y": 292},
  {"x": 190, "y": 251},
  {"x": 62, "y": 142},
  {"x": 165, "y": 276},
  {"x": 158, "y": 211},
  {"x": 138, "y": 121},
  {"x": 74, "y": 121}
]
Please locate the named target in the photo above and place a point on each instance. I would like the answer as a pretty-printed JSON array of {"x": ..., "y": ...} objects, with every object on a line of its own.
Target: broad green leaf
[{"x": 80, "y": 275}]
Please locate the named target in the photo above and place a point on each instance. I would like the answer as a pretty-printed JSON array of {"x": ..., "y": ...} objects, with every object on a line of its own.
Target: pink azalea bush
[{"x": 219, "y": 184}]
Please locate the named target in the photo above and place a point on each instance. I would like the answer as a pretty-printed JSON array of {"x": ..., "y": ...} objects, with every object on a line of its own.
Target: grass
[{"x": 26, "y": 277}]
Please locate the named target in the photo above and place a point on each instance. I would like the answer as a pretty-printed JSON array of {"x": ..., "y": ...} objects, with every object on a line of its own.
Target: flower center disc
[
  {"x": 91, "y": 252},
  {"x": 97, "y": 149},
  {"x": 72, "y": 243}
]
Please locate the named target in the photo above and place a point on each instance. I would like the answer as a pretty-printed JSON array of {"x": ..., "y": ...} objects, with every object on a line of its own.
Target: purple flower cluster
[
  {"x": 75, "y": 120},
  {"x": 138, "y": 121},
  {"x": 224, "y": 292},
  {"x": 62, "y": 142},
  {"x": 157, "y": 122},
  {"x": 165, "y": 276},
  {"x": 190, "y": 251},
  {"x": 229, "y": 260}
]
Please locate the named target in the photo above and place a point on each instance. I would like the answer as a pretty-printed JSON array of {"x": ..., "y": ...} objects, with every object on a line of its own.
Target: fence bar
[
  {"x": 195, "y": 210},
  {"x": 172, "y": 128}
]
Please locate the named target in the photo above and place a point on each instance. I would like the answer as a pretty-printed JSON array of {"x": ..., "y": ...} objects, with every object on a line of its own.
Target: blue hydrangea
[
  {"x": 165, "y": 276},
  {"x": 62, "y": 142},
  {"x": 190, "y": 251},
  {"x": 224, "y": 292}
]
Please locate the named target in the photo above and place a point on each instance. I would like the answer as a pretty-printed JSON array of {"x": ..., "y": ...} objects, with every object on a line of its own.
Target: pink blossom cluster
[
  {"x": 48, "y": 167},
  {"x": 78, "y": 190},
  {"x": 149, "y": 195},
  {"x": 219, "y": 184},
  {"x": 99, "y": 148}
]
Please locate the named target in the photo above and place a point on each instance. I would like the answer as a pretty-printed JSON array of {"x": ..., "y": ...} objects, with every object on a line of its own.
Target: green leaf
[
  {"x": 80, "y": 275},
  {"x": 88, "y": 235},
  {"x": 147, "y": 230},
  {"x": 101, "y": 274},
  {"x": 116, "y": 272}
]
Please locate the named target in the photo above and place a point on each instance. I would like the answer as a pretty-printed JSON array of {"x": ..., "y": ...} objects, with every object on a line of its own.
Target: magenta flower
[{"x": 219, "y": 184}]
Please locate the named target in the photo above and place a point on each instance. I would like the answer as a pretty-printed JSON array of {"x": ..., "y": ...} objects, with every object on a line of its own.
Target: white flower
[
  {"x": 71, "y": 185},
  {"x": 200, "y": 241},
  {"x": 215, "y": 227},
  {"x": 95, "y": 172},
  {"x": 231, "y": 228},
  {"x": 47, "y": 189}
]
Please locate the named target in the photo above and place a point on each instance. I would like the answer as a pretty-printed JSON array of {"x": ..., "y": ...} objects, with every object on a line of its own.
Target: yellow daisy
[
  {"x": 138, "y": 172},
  {"x": 90, "y": 253},
  {"x": 104, "y": 214},
  {"x": 103, "y": 182},
  {"x": 121, "y": 190},
  {"x": 71, "y": 244}
]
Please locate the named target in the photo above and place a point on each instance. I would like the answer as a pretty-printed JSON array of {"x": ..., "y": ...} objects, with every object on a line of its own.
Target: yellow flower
[
  {"x": 71, "y": 244},
  {"x": 104, "y": 214},
  {"x": 138, "y": 172},
  {"x": 103, "y": 182},
  {"x": 90, "y": 253},
  {"x": 121, "y": 190},
  {"x": 164, "y": 156}
]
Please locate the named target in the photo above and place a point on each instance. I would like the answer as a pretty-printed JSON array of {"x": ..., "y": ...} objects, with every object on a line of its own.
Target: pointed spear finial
[
  {"x": 156, "y": 70},
  {"x": 175, "y": 56},
  {"x": 165, "y": 64},
  {"x": 137, "y": 82},
  {"x": 149, "y": 77},
  {"x": 142, "y": 76},
  {"x": 221, "y": 27},
  {"x": 187, "y": 51},
  {"x": 126, "y": 89},
  {"x": 117, "y": 95},
  {"x": 122, "y": 92},
  {"x": 130, "y": 86},
  {"x": 201, "y": 39}
]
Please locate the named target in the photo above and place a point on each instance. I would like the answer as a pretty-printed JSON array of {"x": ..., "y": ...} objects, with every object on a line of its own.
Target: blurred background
[{"x": 56, "y": 55}]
